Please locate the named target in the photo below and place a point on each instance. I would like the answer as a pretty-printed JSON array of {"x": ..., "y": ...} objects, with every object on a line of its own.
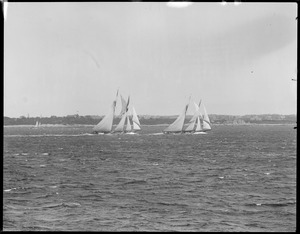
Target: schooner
[
  {"x": 198, "y": 124},
  {"x": 125, "y": 125}
]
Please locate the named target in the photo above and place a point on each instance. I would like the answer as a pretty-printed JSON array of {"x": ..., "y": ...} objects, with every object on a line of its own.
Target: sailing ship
[
  {"x": 197, "y": 125},
  {"x": 126, "y": 125},
  {"x": 37, "y": 124}
]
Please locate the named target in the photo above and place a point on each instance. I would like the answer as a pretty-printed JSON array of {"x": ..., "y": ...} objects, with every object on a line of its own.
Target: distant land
[{"x": 154, "y": 119}]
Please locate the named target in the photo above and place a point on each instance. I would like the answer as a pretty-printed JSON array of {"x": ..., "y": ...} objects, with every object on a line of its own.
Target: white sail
[
  {"x": 206, "y": 121},
  {"x": 135, "y": 121},
  {"x": 37, "y": 124},
  {"x": 191, "y": 126},
  {"x": 105, "y": 125},
  {"x": 120, "y": 126},
  {"x": 177, "y": 125},
  {"x": 198, "y": 126},
  {"x": 124, "y": 105},
  {"x": 128, "y": 125}
]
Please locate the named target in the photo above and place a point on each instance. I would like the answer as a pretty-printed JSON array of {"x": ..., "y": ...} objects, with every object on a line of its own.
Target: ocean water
[{"x": 235, "y": 178}]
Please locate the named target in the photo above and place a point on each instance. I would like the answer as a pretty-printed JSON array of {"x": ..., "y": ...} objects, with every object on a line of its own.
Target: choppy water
[{"x": 235, "y": 178}]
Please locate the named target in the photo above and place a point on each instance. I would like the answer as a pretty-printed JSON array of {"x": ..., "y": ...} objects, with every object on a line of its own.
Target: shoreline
[{"x": 146, "y": 125}]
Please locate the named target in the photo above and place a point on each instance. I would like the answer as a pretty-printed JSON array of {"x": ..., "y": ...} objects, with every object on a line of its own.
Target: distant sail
[
  {"x": 105, "y": 125},
  {"x": 128, "y": 125},
  {"x": 135, "y": 121},
  {"x": 37, "y": 124},
  {"x": 124, "y": 105},
  {"x": 206, "y": 121},
  {"x": 120, "y": 126},
  {"x": 198, "y": 126},
  {"x": 177, "y": 125},
  {"x": 191, "y": 126},
  {"x": 195, "y": 120}
]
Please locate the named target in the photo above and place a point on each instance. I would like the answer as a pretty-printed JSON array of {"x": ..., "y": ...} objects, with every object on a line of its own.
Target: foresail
[
  {"x": 135, "y": 120},
  {"x": 206, "y": 125},
  {"x": 177, "y": 125}
]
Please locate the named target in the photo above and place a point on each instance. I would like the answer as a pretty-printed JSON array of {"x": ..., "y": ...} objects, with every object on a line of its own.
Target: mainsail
[
  {"x": 105, "y": 125},
  {"x": 177, "y": 125}
]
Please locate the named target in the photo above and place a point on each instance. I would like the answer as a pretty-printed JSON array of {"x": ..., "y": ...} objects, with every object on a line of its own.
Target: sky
[{"x": 71, "y": 58}]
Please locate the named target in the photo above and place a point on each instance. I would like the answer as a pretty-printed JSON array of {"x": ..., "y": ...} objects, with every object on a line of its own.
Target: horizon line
[{"x": 170, "y": 115}]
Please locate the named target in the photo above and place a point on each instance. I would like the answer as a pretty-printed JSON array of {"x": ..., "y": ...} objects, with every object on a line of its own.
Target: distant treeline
[{"x": 153, "y": 120}]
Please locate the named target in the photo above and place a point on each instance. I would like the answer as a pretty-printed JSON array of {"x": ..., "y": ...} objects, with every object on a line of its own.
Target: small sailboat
[
  {"x": 37, "y": 124},
  {"x": 177, "y": 125},
  {"x": 105, "y": 125}
]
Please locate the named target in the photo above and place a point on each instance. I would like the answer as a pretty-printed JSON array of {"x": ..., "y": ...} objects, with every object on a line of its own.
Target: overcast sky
[{"x": 68, "y": 58}]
